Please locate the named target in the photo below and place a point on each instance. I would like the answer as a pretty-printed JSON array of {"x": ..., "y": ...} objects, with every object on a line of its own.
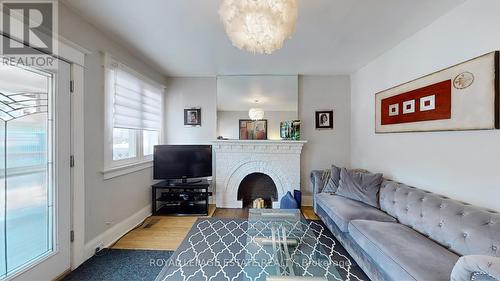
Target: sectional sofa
[{"x": 414, "y": 234}]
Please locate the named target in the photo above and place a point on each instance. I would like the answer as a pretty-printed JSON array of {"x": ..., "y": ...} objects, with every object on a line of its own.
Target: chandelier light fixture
[
  {"x": 256, "y": 113},
  {"x": 259, "y": 26}
]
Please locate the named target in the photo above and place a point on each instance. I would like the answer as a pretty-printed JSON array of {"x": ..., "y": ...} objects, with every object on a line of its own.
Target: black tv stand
[{"x": 177, "y": 198}]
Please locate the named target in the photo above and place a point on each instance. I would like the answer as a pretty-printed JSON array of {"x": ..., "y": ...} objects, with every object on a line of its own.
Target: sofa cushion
[
  {"x": 342, "y": 210},
  {"x": 401, "y": 252},
  {"x": 363, "y": 187},
  {"x": 332, "y": 184}
]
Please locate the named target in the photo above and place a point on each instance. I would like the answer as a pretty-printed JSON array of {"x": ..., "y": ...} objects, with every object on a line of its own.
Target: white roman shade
[{"x": 137, "y": 103}]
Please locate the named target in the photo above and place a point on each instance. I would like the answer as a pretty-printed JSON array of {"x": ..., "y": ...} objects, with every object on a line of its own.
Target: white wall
[
  {"x": 190, "y": 92},
  {"x": 111, "y": 202},
  {"x": 462, "y": 165},
  {"x": 324, "y": 147},
  {"x": 228, "y": 125}
]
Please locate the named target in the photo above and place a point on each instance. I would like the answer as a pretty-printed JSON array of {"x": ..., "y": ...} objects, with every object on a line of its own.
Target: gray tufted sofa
[{"x": 415, "y": 235}]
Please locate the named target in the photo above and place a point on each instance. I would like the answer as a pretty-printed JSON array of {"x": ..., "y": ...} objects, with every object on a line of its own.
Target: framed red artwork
[{"x": 461, "y": 97}]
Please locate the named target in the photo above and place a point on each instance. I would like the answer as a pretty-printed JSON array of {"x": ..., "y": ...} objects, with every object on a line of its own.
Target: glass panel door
[{"x": 26, "y": 167}]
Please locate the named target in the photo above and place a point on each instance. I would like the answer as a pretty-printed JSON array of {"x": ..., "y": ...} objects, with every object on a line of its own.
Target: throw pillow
[
  {"x": 363, "y": 187},
  {"x": 332, "y": 184}
]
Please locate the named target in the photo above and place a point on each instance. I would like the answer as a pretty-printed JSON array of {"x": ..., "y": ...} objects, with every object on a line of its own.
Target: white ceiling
[
  {"x": 272, "y": 93},
  {"x": 186, "y": 37}
]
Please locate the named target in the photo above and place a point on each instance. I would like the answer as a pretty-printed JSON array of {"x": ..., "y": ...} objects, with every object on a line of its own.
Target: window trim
[
  {"x": 126, "y": 169},
  {"x": 115, "y": 168}
]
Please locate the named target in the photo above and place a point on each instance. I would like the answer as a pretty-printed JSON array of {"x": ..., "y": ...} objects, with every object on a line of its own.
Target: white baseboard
[
  {"x": 111, "y": 235},
  {"x": 307, "y": 200}
]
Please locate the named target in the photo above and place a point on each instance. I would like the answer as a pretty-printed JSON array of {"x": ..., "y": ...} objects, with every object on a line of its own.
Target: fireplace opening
[{"x": 257, "y": 185}]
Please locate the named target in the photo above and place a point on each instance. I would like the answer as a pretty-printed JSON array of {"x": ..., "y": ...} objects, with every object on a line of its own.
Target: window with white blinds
[
  {"x": 136, "y": 105},
  {"x": 134, "y": 112}
]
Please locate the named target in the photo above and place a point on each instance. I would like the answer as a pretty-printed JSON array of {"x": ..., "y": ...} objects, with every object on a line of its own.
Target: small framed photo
[
  {"x": 253, "y": 129},
  {"x": 324, "y": 119},
  {"x": 192, "y": 116}
]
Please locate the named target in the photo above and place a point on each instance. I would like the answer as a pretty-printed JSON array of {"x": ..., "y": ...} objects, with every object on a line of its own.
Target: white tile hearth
[{"x": 235, "y": 159}]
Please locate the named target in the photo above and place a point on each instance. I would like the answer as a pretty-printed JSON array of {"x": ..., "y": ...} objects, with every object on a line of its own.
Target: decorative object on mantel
[
  {"x": 258, "y": 203},
  {"x": 462, "y": 97},
  {"x": 253, "y": 129},
  {"x": 192, "y": 116},
  {"x": 259, "y": 26},
  {"x": 296, "y": 130},
  {"x": 290, "y": 130},
  {"x": 288, "y": 202},
  {"x": 324, "y": 119},
  {"x": 286, "y": 130}
]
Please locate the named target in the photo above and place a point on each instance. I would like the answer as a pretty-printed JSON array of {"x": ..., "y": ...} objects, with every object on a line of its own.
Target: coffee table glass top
[{"x": 283, "y": 245}]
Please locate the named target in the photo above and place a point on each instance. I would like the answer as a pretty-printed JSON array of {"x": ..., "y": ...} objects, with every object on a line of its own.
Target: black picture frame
[
  {"x": 192, "y": 116},
  {"x": 324, "y": 119},
  {"x": 244, "y": 134}
]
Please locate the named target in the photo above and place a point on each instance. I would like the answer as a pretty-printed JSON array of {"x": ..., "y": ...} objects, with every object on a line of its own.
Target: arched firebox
[{"x": 257, "y": 185}]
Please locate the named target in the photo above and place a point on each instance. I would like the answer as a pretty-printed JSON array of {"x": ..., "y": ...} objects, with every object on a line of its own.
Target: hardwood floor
[
  {"x": 308, "y": 213},
  {"x": 167, "y": 232},
  {"x": 159, "y": 233}
]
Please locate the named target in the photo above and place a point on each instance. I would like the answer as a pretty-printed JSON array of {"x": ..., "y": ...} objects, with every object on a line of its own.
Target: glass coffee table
[
  {"x": 284, "y": 246},
  {"x": 271, "y": 245}
]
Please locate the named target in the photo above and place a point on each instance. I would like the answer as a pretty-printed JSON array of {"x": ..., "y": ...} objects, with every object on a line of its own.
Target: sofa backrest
[{"x": 460, "y": 227}]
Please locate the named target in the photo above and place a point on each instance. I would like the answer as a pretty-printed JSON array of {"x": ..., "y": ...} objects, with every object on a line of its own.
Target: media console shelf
[{"x": 180, "y": 199}]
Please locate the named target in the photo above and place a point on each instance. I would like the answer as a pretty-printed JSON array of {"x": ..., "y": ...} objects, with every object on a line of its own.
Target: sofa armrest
[
  {"x": 469, "y": 268},
  {"x": 317, "y": 180}
]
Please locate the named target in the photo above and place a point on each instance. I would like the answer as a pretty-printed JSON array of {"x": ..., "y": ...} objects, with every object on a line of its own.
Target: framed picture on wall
[
  {"x": 192, "y": 116},
  {"x": 324, "y": 119},
  {"x": 253, "y": 129},
  {"x": 465, "y": 96}
]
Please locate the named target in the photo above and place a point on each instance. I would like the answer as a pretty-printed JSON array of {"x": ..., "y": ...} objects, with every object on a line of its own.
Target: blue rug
[{"x": 120, "y": 265}]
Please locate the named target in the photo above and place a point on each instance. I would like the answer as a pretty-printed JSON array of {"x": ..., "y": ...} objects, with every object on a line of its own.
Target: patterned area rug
[{"x": 229, "y": 249}]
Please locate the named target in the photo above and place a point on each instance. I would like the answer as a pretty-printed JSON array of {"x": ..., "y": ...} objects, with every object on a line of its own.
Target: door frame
[
  {"x": 78, "y": 169},
  {"x": 73, "y": 54}
]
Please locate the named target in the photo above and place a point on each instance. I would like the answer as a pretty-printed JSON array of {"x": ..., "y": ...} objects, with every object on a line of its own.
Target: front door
[{"x": 34, "y": 172}]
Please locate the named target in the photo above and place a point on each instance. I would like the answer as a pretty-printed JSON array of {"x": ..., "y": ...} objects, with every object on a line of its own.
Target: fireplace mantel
[
  {"x": 271, "y": 146},
  {"x": 260, "y": 141},
  {"x": 235, "y": 159}
]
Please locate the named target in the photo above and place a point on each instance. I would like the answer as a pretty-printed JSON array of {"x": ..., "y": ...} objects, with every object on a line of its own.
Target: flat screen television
[{"x": 173, "y": 162}]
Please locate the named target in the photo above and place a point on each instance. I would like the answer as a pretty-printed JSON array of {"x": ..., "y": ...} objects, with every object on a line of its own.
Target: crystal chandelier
[{"x": 259, "y": 26}]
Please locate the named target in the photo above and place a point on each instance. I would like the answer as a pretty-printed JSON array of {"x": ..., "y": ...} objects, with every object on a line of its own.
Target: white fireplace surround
[{"x": 235, "y": 159}]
